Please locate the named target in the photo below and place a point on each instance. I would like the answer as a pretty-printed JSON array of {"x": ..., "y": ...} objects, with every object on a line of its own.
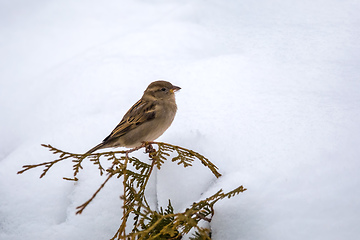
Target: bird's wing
[{"x": 142, "y": 111}]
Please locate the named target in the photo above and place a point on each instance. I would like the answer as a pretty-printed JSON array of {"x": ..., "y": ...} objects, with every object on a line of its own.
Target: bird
[{"x": 146, "y": 120}]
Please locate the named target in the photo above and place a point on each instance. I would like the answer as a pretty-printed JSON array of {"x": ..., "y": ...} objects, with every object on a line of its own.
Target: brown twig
[
  {"x": 122, "y": 230},
  {"x": 84, "y": 205}
]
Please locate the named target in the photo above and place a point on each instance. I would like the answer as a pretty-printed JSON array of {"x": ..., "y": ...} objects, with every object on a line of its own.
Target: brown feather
[
  {"x": 97, "y": 147},
  {"x": 132, "y": 119}
]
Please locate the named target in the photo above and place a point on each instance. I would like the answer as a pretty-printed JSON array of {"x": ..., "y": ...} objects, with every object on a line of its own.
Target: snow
[{"x": 270, "y": 94}]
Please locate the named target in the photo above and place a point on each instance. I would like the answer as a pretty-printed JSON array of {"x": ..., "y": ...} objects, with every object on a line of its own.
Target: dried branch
[
  {"x": 84, "y": 205},
  {"x": 148, "y": 223}
]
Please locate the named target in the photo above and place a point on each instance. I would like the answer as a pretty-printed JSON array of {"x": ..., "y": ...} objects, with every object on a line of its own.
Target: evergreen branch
[
  {"x": 235, "y": 192},
  {"x": 77, "y": 166},
  {"x": 174, "y": 225},
  {"x": 96, "y": 161},
  {"x": 201, "y": 234},
  {"x": 136, "y": 177},
  {"x": 126, "y": 214},
  {"x": 47, "y": 166},
  {"x": 186, "y": 156},
  {"x": 139, "y": 165},
  {"x": 142, "y": 192},
  {"x": 148, "y": 224}
]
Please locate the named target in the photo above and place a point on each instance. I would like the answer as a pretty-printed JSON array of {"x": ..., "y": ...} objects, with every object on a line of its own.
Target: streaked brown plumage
[{"x": 146, "y": 120}]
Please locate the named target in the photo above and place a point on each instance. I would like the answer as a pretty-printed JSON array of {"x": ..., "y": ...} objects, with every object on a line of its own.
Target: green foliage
[{"x": 148, "y": 223}]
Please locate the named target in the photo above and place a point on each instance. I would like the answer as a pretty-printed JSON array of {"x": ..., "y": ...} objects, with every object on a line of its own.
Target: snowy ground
[{"x": 270, "y": 94}]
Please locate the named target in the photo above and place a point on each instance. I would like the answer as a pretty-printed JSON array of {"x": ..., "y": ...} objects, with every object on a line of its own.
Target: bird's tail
[{"x": 97, "y": 147}]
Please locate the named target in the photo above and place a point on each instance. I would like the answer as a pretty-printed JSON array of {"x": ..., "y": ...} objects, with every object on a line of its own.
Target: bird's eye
[{"x": 163, "y": 89}]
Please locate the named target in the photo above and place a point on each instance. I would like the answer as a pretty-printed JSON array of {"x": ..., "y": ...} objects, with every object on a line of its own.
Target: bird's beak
[{"x": 174, "y": 89}]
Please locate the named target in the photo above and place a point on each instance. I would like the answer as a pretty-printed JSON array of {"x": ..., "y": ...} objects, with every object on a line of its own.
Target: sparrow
[{"x": 146, "y": 120}]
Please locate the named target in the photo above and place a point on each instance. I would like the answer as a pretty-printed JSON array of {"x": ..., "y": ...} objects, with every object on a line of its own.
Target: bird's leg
[{"x": 149, "y": 148}]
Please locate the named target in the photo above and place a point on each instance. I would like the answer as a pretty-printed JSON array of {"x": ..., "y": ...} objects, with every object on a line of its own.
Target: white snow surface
[{"x": 270, "y": 94}]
